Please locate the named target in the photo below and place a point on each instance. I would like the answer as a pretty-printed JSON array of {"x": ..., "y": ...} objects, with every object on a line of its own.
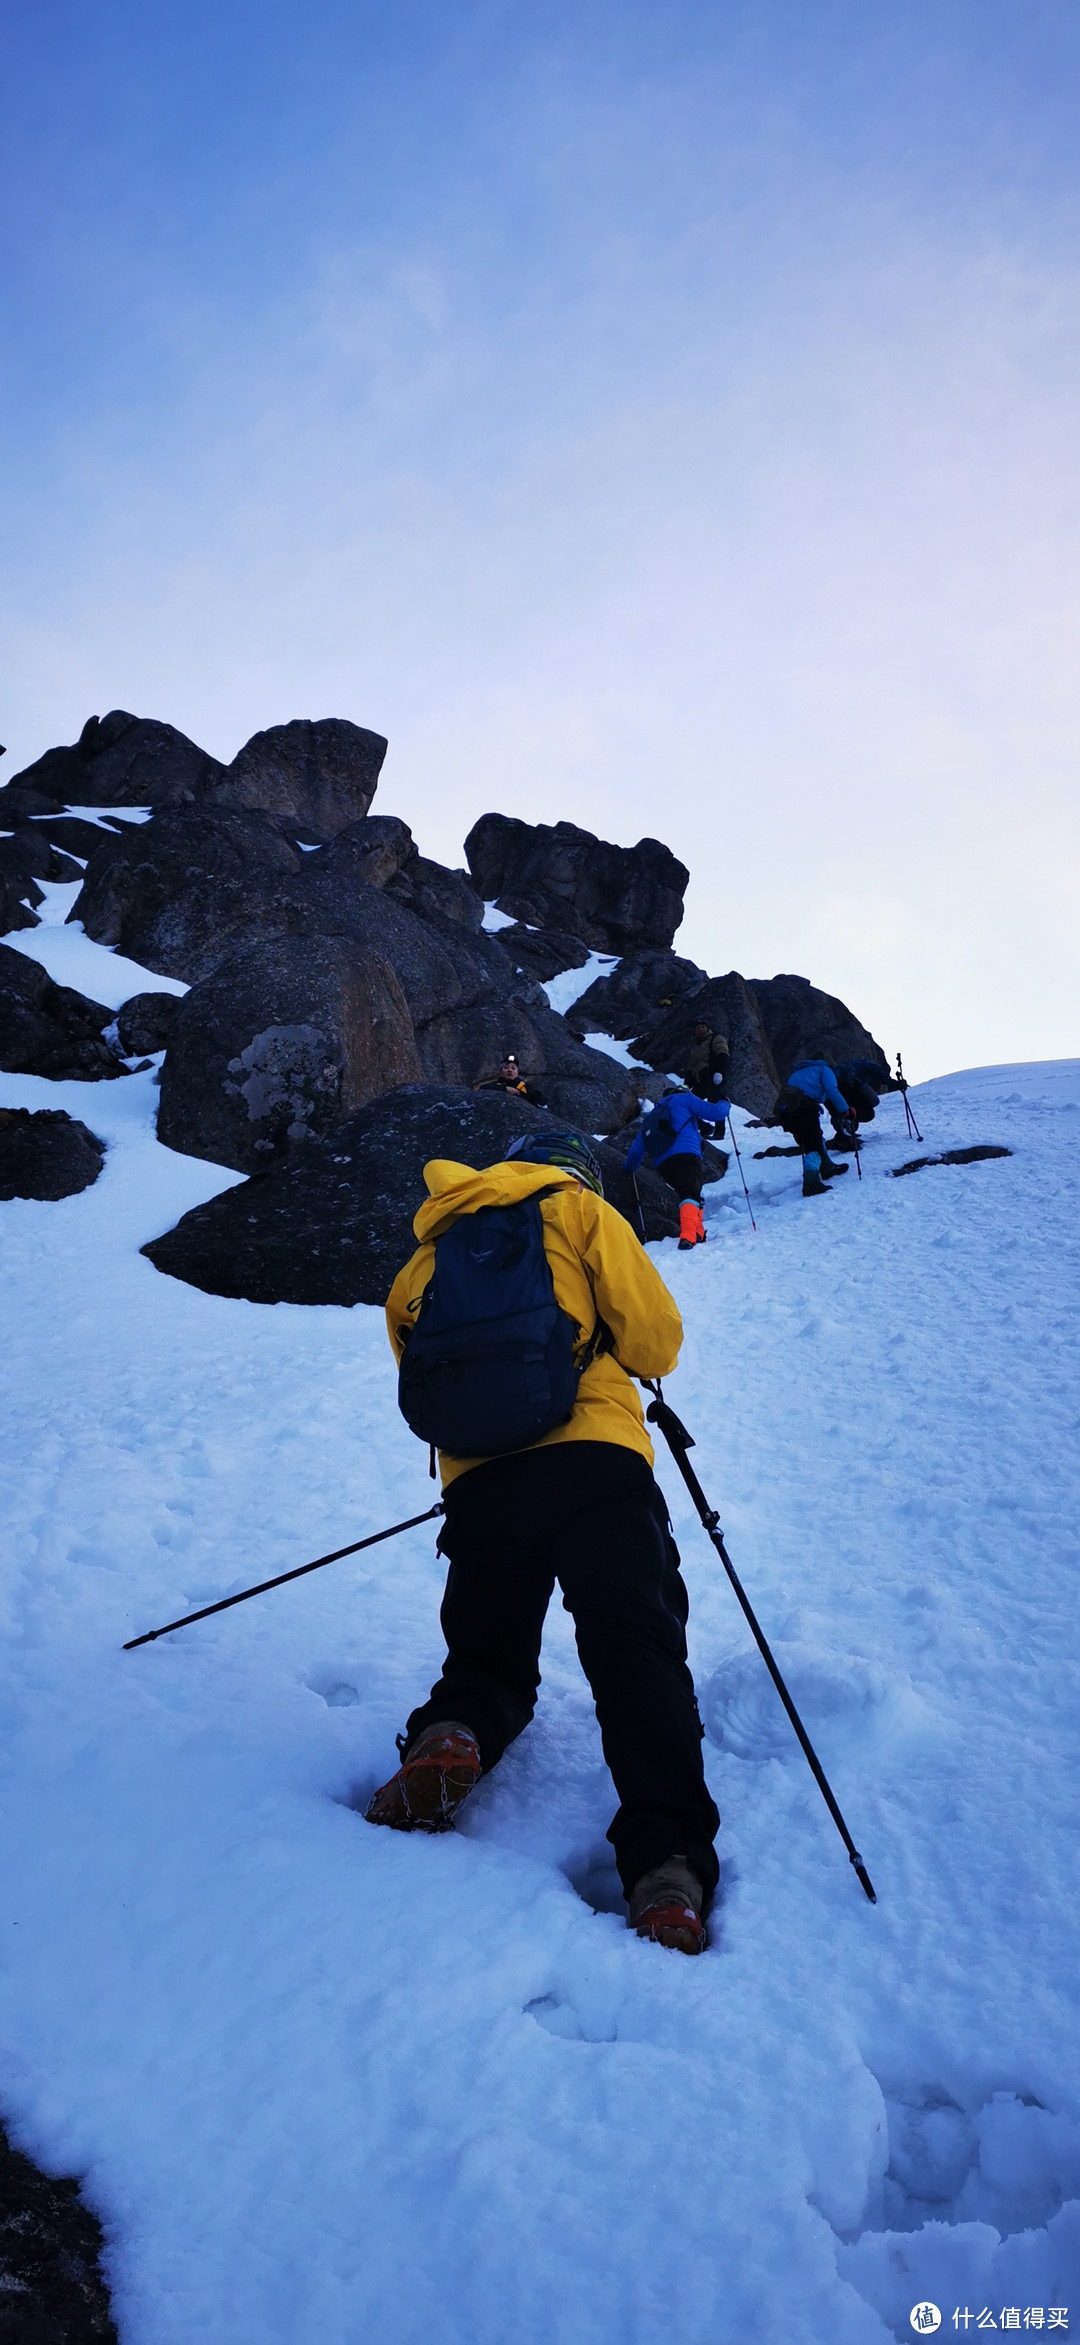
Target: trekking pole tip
[{"x": 863, "y": 1876}]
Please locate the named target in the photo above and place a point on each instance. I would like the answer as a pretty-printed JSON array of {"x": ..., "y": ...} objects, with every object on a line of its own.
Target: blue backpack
[
  {"x": 658, "y": 1129},
  {"x": 489, "y": 1366}
]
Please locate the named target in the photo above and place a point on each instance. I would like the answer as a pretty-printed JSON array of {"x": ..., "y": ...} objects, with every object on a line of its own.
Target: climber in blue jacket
[
  {"x": 808, "y": 1089},
  {"x": 671, "y": 1139}
]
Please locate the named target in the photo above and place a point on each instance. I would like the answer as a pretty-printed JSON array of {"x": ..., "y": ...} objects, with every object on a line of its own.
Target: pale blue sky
[{"x": 661, "y": 416}]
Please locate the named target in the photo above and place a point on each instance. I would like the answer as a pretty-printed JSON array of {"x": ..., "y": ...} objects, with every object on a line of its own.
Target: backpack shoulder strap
[{"x": 601, "y": 1339}]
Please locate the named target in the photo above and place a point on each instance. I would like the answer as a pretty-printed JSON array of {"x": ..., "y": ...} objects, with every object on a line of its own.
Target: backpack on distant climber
[{"x": 490, "y": 1366}]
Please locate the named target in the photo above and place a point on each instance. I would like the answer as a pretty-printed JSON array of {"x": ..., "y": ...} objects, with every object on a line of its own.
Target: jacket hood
[{"x": 454, "y": 1189}]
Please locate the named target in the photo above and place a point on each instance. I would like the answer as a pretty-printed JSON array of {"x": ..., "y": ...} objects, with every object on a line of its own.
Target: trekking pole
[
  {"x": 742, "y": 1177},
  {"x": 301, "y": 1569},
  {"x": 637, "y": 1201},
  {"x": 679, "y": 1441},
  {"x": 908, "y": 1111}
]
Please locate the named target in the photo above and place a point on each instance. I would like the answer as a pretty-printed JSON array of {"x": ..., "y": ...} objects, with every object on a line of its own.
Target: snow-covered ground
[
  {"x": 331, "y": 2085},
  {"x": 72, "y": 958}
]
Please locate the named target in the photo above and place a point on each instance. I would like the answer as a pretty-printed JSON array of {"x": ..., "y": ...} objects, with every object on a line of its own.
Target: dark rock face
[
  {"x": 581, "y": 1086},
  {"x": 437, "y": 894},
  {"x": 381, "y": 849},
  {"x": 285, "y": 1040},
  {"x": 178, "y": 892},
  {"x": 320, "y": 773},
  {"x": 146, "y": 1022},
  {"x": 76, "y": 835},
  {"x": 379, "y": 845},
  {"x": 801, "y": 1022},
  {"x": 48, "y": 1029},
  {"x": 18, "y": 897},
  {"x": 19, "y": 804},
  {"x": 51, "y": 2288},
  {"x": 46, "y": 1154},
  {"x": 198, "y": 885},
  {"x": 30, "y": 849},
  {"x": 640, "y": 989},
  {"x": 333, "y": 1224},
  {"x": 121, "y": 760},
  {"x": 730, "y": 1008},
  {"x": 615, "y": 899},
  {"x": 438, "y": 970},
  {"x": 543, "y": 952},
  {"x": 25, "y": 858}
]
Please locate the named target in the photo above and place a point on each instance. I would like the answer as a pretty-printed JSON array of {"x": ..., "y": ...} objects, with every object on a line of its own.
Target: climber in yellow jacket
[
  {"x": 578, "y": 1505},
  {"x": 597, "y": 1265}
]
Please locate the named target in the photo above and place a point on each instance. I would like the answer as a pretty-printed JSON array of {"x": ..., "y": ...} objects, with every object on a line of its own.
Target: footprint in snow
[
  {"x": 336, "y": 1691},
  {"x": 840, "y": 1701},
  {"x": 981, "y": 2203}
]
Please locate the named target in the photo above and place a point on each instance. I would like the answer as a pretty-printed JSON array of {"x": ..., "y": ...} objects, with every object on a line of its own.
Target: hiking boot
[
  {"x": 814, "y": 1186},
  {"x": 665, "y": 1907},
  {"x": 831, "y": 1171},
  {"x": 435, "y": 1776},
  {"x": 688, "y": 1224}
]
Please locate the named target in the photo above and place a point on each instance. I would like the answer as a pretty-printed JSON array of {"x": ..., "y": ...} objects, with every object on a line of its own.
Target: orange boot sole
[{"x": 428, "y": 1790}]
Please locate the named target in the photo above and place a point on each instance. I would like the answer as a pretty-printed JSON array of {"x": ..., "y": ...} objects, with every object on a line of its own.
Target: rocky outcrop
[
  {"x": 51, "y": 2288},
  {"x": 638, "y": 991},
  {"x": 121, "y": 760},
  {"x": 801, "y": 1022},
  {"x": 274, "y": 867},
  {"x": 19, "y": 804},
  {"x": 45, "y": 1153},
  {"x": 320, "y": 774},
  {"x": 382, "y": 851},
  {"x": 287, "y": 1038},
  {"x": 48, "y": 1029},
  {"x": 379, "y": 845},
  {"x": 436, "y": 894},
  {"x": 201, "y": 885},
  {"x": 616, "y": 899},
  {"x": 333, "y": 1223},
  {"x": 77, "y": 835},
  {"x": 730, "y": 1007},
  {"x": 145, "y": 1024},
  {"x": 19, "y": 895},
  {"x": 541, "y": 953},
  {"x": 25, "y": 858},
  {"x": 179, "y": 892}
]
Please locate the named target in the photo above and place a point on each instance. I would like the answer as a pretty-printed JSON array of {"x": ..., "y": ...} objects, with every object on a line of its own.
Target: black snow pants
[
  {"x": 683, "y": 1174},
  {"x": 590, "y": 1515},
  {"x": 802, "y": 1118}
]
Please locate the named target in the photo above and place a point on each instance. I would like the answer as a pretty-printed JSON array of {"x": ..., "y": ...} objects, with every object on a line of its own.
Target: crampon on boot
[
  {"x": 812, "y": 1183},
  {"x": 431, "y": 1782},
  {"x": 665, "y": 1907}
]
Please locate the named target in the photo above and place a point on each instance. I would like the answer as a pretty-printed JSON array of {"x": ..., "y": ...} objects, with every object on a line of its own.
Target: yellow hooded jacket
[{"x": 597, "y": 1265}]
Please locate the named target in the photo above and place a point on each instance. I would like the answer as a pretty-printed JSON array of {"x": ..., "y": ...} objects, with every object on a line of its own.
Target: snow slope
[{"x": 331, "y": 2084}]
